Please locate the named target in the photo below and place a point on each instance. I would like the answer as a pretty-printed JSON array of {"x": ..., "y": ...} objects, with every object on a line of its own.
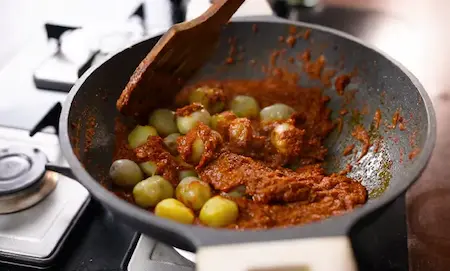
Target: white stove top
[{"x": 35, "y": 232}]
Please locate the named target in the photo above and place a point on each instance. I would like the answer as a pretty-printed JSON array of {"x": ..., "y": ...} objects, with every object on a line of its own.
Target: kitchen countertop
[{"x": 413, "y": 32}]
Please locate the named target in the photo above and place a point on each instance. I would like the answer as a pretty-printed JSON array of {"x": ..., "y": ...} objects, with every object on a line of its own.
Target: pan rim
[{"x": 196, "y": 236}]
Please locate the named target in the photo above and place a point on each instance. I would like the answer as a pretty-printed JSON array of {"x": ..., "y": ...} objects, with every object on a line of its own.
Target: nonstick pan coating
[{"x": 89, "y": 113}]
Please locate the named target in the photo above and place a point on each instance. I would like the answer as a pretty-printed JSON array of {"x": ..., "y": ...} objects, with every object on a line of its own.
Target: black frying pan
[{"x": 381, "y": 82}]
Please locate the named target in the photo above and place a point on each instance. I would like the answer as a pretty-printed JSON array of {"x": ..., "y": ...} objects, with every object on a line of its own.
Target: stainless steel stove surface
[
  {"x": 34, "y": 220},
  {"x": 66, "y": 230},
  {"x": 151, "y": 255}
]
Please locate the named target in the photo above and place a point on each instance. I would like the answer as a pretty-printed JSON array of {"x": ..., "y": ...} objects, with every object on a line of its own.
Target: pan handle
[
  {"x": 66, "y": 171},
  {"x": 318, "y": 254}
]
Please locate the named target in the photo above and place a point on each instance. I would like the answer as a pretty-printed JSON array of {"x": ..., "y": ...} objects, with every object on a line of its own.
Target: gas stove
[
  {"x": 38, "y": 208},
  {"x": 48, "y": 221}
]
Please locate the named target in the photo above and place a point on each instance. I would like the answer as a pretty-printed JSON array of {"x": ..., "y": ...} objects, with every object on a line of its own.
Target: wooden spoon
[{"x": 179, "y": 53}]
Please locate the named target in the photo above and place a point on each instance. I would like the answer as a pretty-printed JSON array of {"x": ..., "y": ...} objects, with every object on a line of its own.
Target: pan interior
[{"x": 377, "y": 84}]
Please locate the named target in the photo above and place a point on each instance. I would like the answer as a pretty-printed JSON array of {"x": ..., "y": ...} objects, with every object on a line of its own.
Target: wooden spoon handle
[
  {"x": 318, "y": 254},
  {"x": 221, "y": 11}
]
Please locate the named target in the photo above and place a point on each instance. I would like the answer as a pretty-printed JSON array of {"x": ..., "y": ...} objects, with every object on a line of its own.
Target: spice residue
[
  {"x": 273, "y": 58},
  {"x": 338, "y": 124},
  {"x": 232, "y": 51},
  {"x": 365, "y": 109},
  {"x": 412, "y": 142},
  {"x": 122, "y": 150},
  {"x": 291, "y": 39},
  {"x": 401, "y": 126},
  {"x": 356, "y": 117},
  {"x": 343, "y": 112},
  {"x": 305, "y": 56},
  {"x": 314, "y": 68},
  {"x": 291, "y": 60},
  {"x": 348, "y": 150},
  {"x": 377, "y": 118},
  {"x": 395, "y": 118},
  {"x": 412, "y": 139},
  {"x": 349, "y": 96},
  {"x": 414, "y": 153},
  {"x": 341, "y": 83},
  {"x": 326, "y": 77},
  {"x": 385, "y": 178},
  {"x": 306, "y": 34},
  {"x": 348, "y": 169},
  {"x": 383, "y": 97},
  {"x": 377, "y": 144},
  {"x": 361, "y": 134},
  {"x": 90, "y": 132},
  {"x": 401, "y": 123}
]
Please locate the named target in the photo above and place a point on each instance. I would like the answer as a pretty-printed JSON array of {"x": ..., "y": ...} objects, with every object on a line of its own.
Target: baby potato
[
  {"x": 193, "y": 192},
  {"x": 148, "y": 168},
  {"x": 164, "y": 121},
  {"x": 174, "y": 210},
  {"x": 245, "y": 106},
  {"x": 187, "y": 173},
  {"x": 124, "y": 172},
  {"x": 213, "y": 99},
  {"x": 186, "y": 123},
  {"x": 219, "y": 212},
  {"x": 139, "y": 135},
  {"x": 151, "y": 191},
  {"x": 171, "y": 143},
  {"x": 287, "y": 139},
  {"x": 276, "y": 112},
  {"x": 198, "y": 147}
]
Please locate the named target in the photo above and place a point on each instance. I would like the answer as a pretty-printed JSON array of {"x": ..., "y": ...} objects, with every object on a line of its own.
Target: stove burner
[
  {"x": 20, "y": 168},
  {"x": 28, "y": 197}
]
